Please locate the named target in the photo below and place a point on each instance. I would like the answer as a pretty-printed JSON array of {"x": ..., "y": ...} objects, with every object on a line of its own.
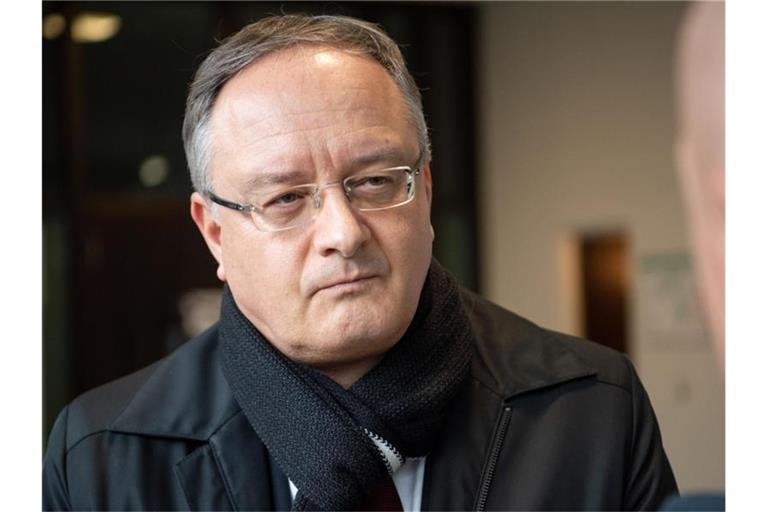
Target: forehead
[{"x": 308, "y": 107}]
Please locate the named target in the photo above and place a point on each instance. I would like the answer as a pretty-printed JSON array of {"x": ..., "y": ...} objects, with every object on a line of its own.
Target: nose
[{"x": 338, "y": 227}]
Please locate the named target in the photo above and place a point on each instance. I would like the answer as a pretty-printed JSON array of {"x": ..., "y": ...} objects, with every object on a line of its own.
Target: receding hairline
[
  {"x": 298, "y": 50},
  {"x": 274, "y": 35}
]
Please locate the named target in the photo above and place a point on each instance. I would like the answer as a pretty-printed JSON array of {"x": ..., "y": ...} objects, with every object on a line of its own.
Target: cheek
[
  {"x": 409, "y": 247},
  {"x": 420, "y": 227},
  {"x": 254, "y": 262}
]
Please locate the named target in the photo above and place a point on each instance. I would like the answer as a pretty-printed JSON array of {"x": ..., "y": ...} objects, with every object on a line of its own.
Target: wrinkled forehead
[{"x": 305, "y": 100}]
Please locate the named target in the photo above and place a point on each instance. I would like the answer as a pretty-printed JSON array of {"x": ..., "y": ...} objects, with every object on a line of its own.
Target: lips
[
  {"x": 346, "y": 280},
  {"x": 349, "y": 280}
]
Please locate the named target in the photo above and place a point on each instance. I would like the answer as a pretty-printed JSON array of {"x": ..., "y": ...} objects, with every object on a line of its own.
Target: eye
[
  {"x": 289, "y": 198},
  {"x": 377, "y": 181},
  {"x": 372, "y": 182}
]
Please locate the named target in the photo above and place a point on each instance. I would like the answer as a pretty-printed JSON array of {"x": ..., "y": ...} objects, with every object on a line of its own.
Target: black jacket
[{"x": 546, "y": 421}]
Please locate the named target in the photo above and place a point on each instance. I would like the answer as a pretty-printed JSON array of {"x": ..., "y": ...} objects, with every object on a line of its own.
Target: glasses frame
[{"x": 316, "y": 200}]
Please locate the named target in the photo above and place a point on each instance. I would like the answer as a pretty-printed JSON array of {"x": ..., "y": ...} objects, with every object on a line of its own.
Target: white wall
[{"x": 576, "y": 130}]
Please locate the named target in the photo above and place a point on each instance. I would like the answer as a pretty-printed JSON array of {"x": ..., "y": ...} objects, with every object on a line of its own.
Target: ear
[
  {"x": 426, "y": 172},
  {"x": 209, "y": 228}
]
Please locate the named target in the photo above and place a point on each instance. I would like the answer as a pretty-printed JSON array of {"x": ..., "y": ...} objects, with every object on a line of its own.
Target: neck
[{"x": 346, "y": 374}]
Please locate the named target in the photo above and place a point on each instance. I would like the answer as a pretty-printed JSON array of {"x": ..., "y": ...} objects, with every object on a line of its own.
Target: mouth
[{"x": 348, "y": 284}]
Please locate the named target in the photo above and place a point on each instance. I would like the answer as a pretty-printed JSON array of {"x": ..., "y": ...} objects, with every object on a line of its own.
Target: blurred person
[
  {"x": 700, "y": 148},
  {"x": 348, "y": 370},
  {"x": 701, "y": 154}
]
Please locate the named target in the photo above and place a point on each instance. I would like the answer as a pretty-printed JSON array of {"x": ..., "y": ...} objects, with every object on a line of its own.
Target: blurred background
[{"x": 555, "y": 193}]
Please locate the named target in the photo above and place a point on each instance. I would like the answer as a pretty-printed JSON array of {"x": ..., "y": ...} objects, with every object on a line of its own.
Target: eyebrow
[
  {"x": 382, "y": 155},
  {"x": 273, "y": 178},
  {"x": 262, "y": 179}
]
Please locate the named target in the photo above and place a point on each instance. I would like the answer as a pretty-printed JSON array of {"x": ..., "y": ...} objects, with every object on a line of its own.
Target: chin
[{"x": 346, "y": 342}]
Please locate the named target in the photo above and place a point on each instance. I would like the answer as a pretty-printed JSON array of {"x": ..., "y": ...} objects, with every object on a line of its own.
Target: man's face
[{"x": 345, "y": 287}]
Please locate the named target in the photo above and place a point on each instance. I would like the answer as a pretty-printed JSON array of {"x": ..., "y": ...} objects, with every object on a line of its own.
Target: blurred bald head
[{"x": 700, "y": 91}]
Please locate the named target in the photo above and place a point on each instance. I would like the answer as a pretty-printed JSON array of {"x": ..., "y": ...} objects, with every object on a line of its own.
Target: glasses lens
[
  {"x": 380, "y": 189},
  {"x": 285, "y": 209},
  {"x": 374, "y": 190}
]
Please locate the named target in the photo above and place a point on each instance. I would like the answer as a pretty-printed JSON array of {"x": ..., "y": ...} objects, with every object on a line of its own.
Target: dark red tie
[{"x": 383, "y": 497}]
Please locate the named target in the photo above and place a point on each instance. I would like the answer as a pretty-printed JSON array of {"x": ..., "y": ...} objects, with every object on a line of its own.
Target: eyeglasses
[{"x": 296, "y": 206}]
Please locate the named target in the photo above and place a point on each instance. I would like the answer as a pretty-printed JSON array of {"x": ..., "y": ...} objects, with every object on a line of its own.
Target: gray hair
[{"x": 275, "y": 33}]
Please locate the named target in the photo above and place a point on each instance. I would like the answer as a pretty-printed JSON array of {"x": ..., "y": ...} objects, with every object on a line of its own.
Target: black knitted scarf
[{"x": 321, "y": 435}]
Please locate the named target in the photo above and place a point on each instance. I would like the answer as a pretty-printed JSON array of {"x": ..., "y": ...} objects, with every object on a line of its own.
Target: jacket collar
[
  {"x": 186, "y": 396},
  {"x": 515, "y": 356}
]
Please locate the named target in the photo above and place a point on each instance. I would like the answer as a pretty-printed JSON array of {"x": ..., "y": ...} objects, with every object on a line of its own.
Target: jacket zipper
[{"x": 490, "y": 467}]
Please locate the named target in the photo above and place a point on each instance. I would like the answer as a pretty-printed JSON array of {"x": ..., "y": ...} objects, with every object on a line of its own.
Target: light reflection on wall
[
  {"x": 199, "y": 309},
  {"x": 87, "y": 27}
]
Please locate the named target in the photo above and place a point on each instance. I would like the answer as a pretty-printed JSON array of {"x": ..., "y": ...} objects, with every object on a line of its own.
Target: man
[
  {"x": 700, "y": 148},
  {"x": 348, "y": 370}
]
